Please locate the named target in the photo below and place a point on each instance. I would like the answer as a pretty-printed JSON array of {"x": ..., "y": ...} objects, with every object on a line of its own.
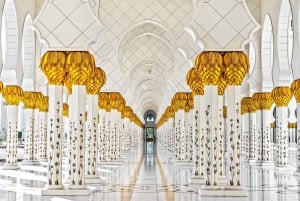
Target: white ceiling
[{"x": 145, "y": 51}]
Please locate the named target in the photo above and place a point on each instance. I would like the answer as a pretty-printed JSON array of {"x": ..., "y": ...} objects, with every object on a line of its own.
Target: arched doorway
[{"x": 150, "y": 129}]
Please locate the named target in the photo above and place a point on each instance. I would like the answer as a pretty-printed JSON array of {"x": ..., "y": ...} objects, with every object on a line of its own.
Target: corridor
[{"x": 150, "y": 175}]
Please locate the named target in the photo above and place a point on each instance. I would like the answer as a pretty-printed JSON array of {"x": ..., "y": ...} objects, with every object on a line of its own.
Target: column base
[
  {"x": 76, "y": 187},
  {"x": 67, "y": 181},
  {"x": 267, "y": 164},
  {"x": 53, "y": 187},
  {"x": 7, "y": 166},
  {"x": 197, "y": 181},
  {"x": 110, "y": 162},
  {"x": 30, "y": 162},
  {"x": 182, "y": 163},
  {"x": 222, "y": 191},
  {"x": 65, "y": 192},
  {"x": 93, "y": 180}
]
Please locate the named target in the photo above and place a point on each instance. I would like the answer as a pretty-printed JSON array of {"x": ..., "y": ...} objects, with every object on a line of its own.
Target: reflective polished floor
[{"x": 148, "y": 174}]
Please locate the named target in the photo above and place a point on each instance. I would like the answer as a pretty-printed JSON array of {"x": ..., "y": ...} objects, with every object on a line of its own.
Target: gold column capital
[
  {"x": 97, "y": 80},
  {"x": 236, "y": 67},
  {"x": 295, "y": 87},
  {"x": 245, "y": 103},
  {"x": 194, "y": 81},
  {"x": 103, "y": 100},
  {"x": 263, "y": 100},
  {"x": 53, "y": 66},
  {"x": 13, "y": 94},
  {"x": 189, "y": 102},
  {"x": 80, "y": 66},
  {"x": 44, "y": 104},
  {"x": 281, "y": 96},
  {"x": 221, "y": 85},
  {"x": 68, "y": 84},
  {"x": 210, "y": 67},
  {"x": 179, "y": 100},
  {"x": 29, "y": 99}
]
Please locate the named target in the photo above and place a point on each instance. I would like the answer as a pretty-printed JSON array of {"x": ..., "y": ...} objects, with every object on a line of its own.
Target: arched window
[{"x": 150, "y": 117}]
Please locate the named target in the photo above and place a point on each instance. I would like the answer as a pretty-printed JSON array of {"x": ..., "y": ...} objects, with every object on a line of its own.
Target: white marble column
[
  {"x": 12, "y": 95},
  {"x": 234, "y": 128},
  {"x": 252, "y": 134},
  {"x": 281, "y": 97},
  {"x": 28, "y": 143},
  {"x": 43, "y": 128},
  {"x": 77, "y": 129},
  {"x": 102, "y": 134},
  {"x": 92, "y": 139},
  {"x": 54, "y": 135},
  {"x": 245, "y": 112}
]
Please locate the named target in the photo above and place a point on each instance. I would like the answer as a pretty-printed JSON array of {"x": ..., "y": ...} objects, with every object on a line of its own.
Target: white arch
[
  {"x": 267, "y": 54},
  {"x": 28, "y": 54},
  {"x": 282, "y": 74},
  {"x": 9, "y": 35}
]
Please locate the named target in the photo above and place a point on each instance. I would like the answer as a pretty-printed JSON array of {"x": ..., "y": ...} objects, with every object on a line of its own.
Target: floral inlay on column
[
  {"x": 13, "y": 95},
  {"x": 53, "y": 66},
  {"x": 282, "y": 97}
]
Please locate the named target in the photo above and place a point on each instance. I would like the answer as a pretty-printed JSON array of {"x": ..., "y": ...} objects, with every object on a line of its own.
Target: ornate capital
[
  {"x": 44, "y": 104},
  {"x": 68, "y": 84},
  {"x": 53, "y": 66},
  {"x": 194, "y": 81},
  {"x": 80, "y": 66},
  {"x": 103, "y": 100},
  {"x": 189, "y": 102},
  {"x": 263, "y": 100},
  {"x": 127, "y": 111},
  {"x": 65, "y": 110},
  {"x": 210, "y": 65},
  {"x": 116, "y": 100},
  {"x": 29, "y": 99},
  {"x": 281, "y": 96},
  {"x": 179, "y": 100},
  {"x": 296, "y": 90},
  {"x": 236, "y": 67},
  {"x": 221, "y": 85},
  {"x": 97, "y": 80},
  {"x": 245, "y": 103},
  {"x": 13, "y": 94}
]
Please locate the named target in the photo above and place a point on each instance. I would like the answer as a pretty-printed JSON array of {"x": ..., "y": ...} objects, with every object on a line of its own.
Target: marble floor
[{"x": 148, "y": 174}]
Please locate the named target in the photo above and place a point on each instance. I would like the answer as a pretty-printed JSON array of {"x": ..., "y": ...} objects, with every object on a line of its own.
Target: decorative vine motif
[
  {"x": 266, "y": 145},
  {"x": 28, "y": 149},
  {"x": 36, "y": 136},
  {"x": 221, "y": 145},
  {"x": 191, "y": 143},
  {"x": 282, "y": 151},
  {"x": 196, "y": 144},
  {"x": 43, "y": 137},
  {"x": 253, "y": 140},
  {"x": 259, "y": 142},
  {"x": 208, "y": 146},
  {"x": 107, "y": 142},
  {"x": 11, "y": 150},
  {"x": 231, "y": 162}
]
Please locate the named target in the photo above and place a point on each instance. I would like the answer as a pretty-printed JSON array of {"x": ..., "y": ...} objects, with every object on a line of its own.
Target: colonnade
[
  {"x": 226, "y": 127},
  {"x": 91, "y": 127}
]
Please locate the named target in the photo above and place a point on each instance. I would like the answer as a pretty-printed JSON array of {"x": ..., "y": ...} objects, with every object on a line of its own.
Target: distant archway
[{"x": 150, "y": 128}]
